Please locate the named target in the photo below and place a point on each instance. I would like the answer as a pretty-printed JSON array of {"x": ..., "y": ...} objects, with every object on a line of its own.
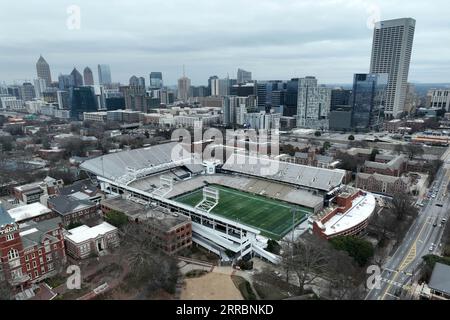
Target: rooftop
[
  {"x": 362, "y": 208},
  {"x": 123, "y": 205},
  {"x": 5, "y": 218},
  {"x": 84, "y": 233},
  {"x": 393, "y": 164},
  {"x": 163, "y": 221},
  {"x": 83, "y": 186},
  {"x": 28, "y": 211},
  {"x": 67, "y": 204},
  {"x": 34, "y": 233},
  {"x": 381, "y": 177},
  {"x": 440, "y": 278}
]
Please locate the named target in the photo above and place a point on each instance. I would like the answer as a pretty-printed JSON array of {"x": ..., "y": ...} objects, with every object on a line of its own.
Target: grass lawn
[{"x": 272, "y": 217}]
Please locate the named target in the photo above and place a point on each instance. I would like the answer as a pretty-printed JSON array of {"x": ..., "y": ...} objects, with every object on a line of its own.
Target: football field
[{"x": 272, "y": 217}]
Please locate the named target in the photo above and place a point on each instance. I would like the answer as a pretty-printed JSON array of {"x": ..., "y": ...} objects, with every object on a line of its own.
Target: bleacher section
[
  {"x": 304, "y": 176},
  {"x": 129, "y": 165}
]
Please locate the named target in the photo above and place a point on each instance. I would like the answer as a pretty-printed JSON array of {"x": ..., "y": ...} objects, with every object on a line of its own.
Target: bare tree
[
  {"x": 344, "y": 276},
  {"x": 413, "y": 150},
  {"x": 6, "y": 292},
  {"x": 307, "y": 259},
  {"x": 398, "y": 148},
  {"x": 149, "y": 266},
  {"x": 402, "y": 206}
]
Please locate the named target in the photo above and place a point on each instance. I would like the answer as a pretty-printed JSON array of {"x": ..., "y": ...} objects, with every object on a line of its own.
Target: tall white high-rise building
[
  {"x": 391, "y": 54},
  {"x": 184, "y": 88},
  {"x": 243, "y": 76},
  {"x": 313, "y": 104},
  {"x": 39, "y": 87},
  {"x": 220, "y": 87}
]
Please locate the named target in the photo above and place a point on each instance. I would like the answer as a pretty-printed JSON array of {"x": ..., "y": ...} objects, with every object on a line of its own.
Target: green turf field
[{"x": 272, "y": 217}]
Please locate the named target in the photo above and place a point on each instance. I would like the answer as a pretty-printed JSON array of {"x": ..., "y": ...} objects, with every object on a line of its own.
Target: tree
[
  {"x": 402, "y": 206},
  {"x": 73, "y": 225},
  {"x": 413, "y": 150},
  {"x": 74, "y": 147},
  {"x": 6, "y": 292},
  {"x": 359, "y": 249},
  {"x": 288, "y": 149},
  {"x": 432, "y": 169},
  {"x": 344, "y": 277},
  {"x": 116, "y": 218},
  {"x": 149, "y": 266},
  {"x": 6, "y": 145},
  {"x": 307, "y": 258},
  {"x": 349, "y": 162},
  {"x": 398, "y": 148},
  {"x": 351, "y": 137},
  {"x": 384, "y": 223},
  {"x": 317, "y": 133},
  {"x": 326, "y": 145},
  {"x": 373, "y": 154},
  {"x": 273, "y": 246}
]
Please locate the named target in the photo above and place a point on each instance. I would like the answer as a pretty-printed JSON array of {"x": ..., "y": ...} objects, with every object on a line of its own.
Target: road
[{"x": 426, "y": 230}]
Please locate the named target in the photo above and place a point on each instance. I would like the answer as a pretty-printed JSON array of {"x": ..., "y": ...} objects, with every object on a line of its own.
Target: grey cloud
[{"x": 272, "y": 38}]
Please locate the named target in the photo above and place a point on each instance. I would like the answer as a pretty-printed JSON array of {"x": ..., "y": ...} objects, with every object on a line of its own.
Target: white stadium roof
[{"x": 137, "y": 162}]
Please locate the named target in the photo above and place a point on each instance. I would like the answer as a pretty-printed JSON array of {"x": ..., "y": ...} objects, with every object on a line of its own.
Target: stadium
[{"x": 233, "y": 207}]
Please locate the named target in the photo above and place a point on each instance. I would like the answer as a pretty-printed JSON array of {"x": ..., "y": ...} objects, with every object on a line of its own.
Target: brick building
[
  {"x": 171, "y": 233},
  {"x": 31, "y": 252},
  {"x": 386, "y": 165},
  {"x": 71, "y": 209},
  {"x": 32, "y": 192},
  {"x": 349, "y": 214},
  {"x": 384, "y": 184},
  {"x": 83, "y": 241},
  {"x": 83, "y": 189}
]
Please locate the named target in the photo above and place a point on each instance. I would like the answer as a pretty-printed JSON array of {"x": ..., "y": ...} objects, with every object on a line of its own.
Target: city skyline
[{"x": 301, "y": 44}]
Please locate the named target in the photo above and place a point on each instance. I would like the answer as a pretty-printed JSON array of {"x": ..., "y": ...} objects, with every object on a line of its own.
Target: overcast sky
[{"x": 329, "y": 39}]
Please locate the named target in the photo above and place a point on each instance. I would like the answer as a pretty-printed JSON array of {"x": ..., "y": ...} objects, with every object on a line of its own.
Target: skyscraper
[
  {"x": 243, "y": 76},
  {"x": 141, "y": 81},
  {"x": 210, "y": 84},
  {"x": 77, "y": 77},
  {"x": 291, "y": 98},
  {"x": 340, "y": 97},
  {"x": 43, "y": 70},
  {"x": 184, "y": 88},
  {"x": 156, "y": 80},
  {"x": 88, "y": 77},
  {"x": 134, "y": 81},
  {"x": 313, "y": 104},
  {"x": 368, "y": 95},
  {"x": 65, "y": 81},
  {"x": 104, "y": 74},
  {"x": 28, "y": 92},
  {"x": 81, "y": 99},
  {"x": 391, "y": 53},
  {"x": 39, "y": 87}
]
